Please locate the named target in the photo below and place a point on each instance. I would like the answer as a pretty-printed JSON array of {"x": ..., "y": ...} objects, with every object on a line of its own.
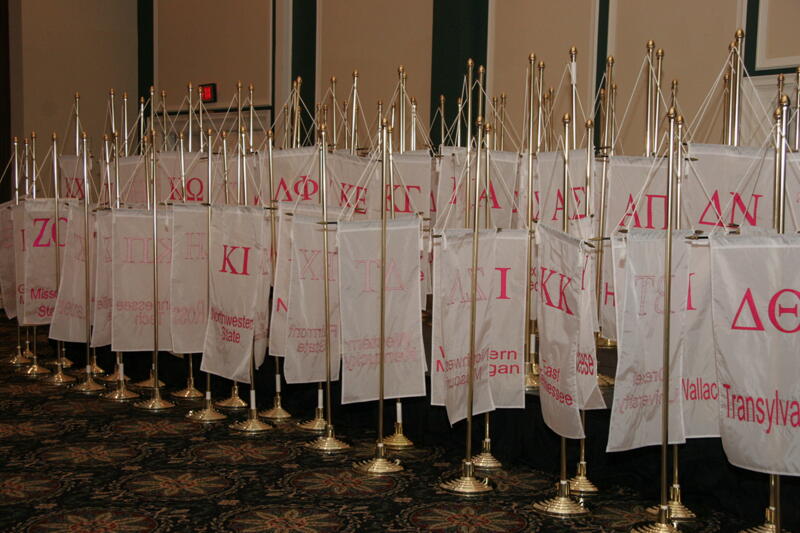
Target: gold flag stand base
[
  {"x": 121, "y": 394},
  {"x": 561, "y": 505},
  {"x": 276, "y": 413},
  {"x": 485, "y": 460},
  {"x": 113, "y": 377},
  {"x": 233, "y": 401},
  {"x": 251, "y": 425},
  {"x": 148, "y": 383},
  {"x": 35, "y": 370},
  {"x": 96, "y": 370},
  {"x": 378, "y": 465},
  {"x": 316, "y": 424},
  {"x": 156, "y": 403},
  {"x": 467, "y": 484},
  {"x": 580, "y": 485},
  {"x": 678, "y": 512},
  {"x": 59, "y": 377},
  {"x": 327, "y": 443},
  {"x": 88, "y": 386},
  {"x": 655, "y": 527},
  {"x": 65, "y": 362},
  {"x": 604, "y": 381},
  {"x": 767, "y": 527},
  {"x": 398, "y": 441},
  {"x": 206, "y": 415},
  {"x": 189, "y": 393},
  {"x": 20, "y": 359}
]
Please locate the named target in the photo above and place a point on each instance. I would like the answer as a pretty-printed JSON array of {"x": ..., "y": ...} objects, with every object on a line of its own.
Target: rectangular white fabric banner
[
  {"x": 69, "y": 318},
  {"x": 295, "y": 176},
  {"x": 71, "y": 176},
  {"x": 103, "y": 286},
  {"x": 413, "y": 174},
  {"x": 452, "y": 303},
  {"x": 754, "y": 286},
  {"x": 638, "y": 391},
  {"x": 305, "y": 339},
  {"x": 134, "y": 310},
  {"x": 589, "y": 395},
  {"x": 237, "y": 243},
  {"x": 559, "y": 316},
  {"x": 40, "y": 258},
  {"x": 189, "y": 278},
  {"x": 359, "y": 247},
  {"x": 8, "y": 275}
]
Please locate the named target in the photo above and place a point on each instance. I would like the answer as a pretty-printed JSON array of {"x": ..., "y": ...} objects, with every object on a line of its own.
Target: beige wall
[
  {"x": 375, "y": 37},
  {"x": 207, "y": 41},
  {"x": 694, "y": 36},
  {"x": 59, "y": 48},
  {"x": 548, "y": 29}
]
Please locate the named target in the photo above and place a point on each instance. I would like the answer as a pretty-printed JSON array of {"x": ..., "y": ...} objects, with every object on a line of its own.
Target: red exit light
[{"x": 208, "y": 93}]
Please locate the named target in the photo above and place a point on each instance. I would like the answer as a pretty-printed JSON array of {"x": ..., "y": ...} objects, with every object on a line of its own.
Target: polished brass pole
[
  {"x": 190, "y": 127},
  {"x": 573, "y": 96},
  {"x": 401, "y": 74},
  {"x": 467, "y": 484},
  {"x": 460, "y": 106},
  {"x": 649, "y": 88},
  {"x": 327, "y": 443},
  {"x": 737, "y": 86},
  {"x": 88, "y": 385},
  {"x": 124, "y": 124},
  {"x": 164, "y": 120},
  {"x": 334, "y": 116},
  {"x": 442, "y": 123},
  {"x": 657, "y": 100},
  {"x": 531, "y": 366},
  {"x": 502, "y": 131},
  {"x": 468, "y": 175},
  {"x": 208, "y": 414},
  {"x": 354, "y": 116},
  {"x": 19, "y": 358},
  {"x": 663, "y": 521}
]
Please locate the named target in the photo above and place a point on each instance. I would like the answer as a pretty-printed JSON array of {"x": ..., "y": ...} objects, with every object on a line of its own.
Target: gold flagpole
[
  {"x": 334, "y": 117},
  {"x": 156, "y": 402},
  {"x": 379, "y": 465},
  {"x": 164, "y": 120},
  {"x": 662, "y": 523},
  {"x": 124, "y": 125},
  {"x": 737, "y": 85},
  {"x": 562, "y": 505},
  {"x": 397, "y": 440},
  {"x": 467, "y": 484},
  {"x": 19, "y": 357},
  {"x": 657, "y": 99},
  {"x": 354, "y": 116},
  {"x": 531, "y": 366},
  {"x": 36, "y": 369},
  {"x": 88, "y": 385},
  {"x": 327, "y": 443},
  {"x": 772, "y": 522},
  {"x": 251, "y": 425},
  {"x": 189, "y": 95},
  {"x": 121, "y": 393},
  {"x": 208, "y": 414},
  {"x": 649, "y": 151},
  {"x": 678, "y": 512},
  {"x": 277, "y": 413},
  {"x": 502, "y": 121},
  {"x": 470, "y": 65},
  {"x": 401, "y": 74},
  {"x": 573, "y": 95},
  {"x": 58, "y": 377},
  {"x": 460, "y": 108}
]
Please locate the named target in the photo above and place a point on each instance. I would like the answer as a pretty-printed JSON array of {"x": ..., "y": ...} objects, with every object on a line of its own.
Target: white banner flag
[
  {"x": 71, "y": 176},
  {"x": 359, "y": 246},
  {"x": 134, "y": 310},
  {"x": 589, "y": 395},
  {"x": 413, "y": 173},
  {"x": 451, "y": 189},
  {"x": 69, "y": 318},
  {"x": 559, "y": 316},
  {"x": 103, "y": 286},
  {"x": 355, "y": 185},
  {"x": 189, "y": 278},
  {"x": 638, "y": 391},
  {"x": 549, "y": 189},
  {"x": 305, "y": 340},
  {"x": 40, "y": 258},
  {"x": 295, "y": 176},
  {"x": 8, "y": 277},
  {"x": 238, "y": 242},
  {"x": 755, "y": 312},
  {"x": 450, "y": 344}
]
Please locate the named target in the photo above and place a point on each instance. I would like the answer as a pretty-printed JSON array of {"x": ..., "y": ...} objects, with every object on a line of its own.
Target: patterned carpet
[{"x": 75, "y": 463}]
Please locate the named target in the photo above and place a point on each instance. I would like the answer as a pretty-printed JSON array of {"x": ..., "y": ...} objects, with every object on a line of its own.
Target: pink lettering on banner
[
  {"x": 578, "y": 195},
  {"x": 563, "y": 283},
  {"x": 175, "y": 193},
  {"x": 228, "y": 266},
  {"x": 712, "y": 214},
  {"x": 549, "y": 378},
  {"x": 304, "y": 187},
  {"x": 353, "y": 196},
  {"x": 45, "y": 238},
  {"x": 460, "y": 366},
  {"x": 73, "y": 188},
  {"x": 748, "y": 317},
  {"x": 699, "y": 389},
  {"x": 195, "y": 189},
  {"x": 631, "y": 211},
  {"x": 406, "y": 198},
  {"x": 768, "y": 411}
]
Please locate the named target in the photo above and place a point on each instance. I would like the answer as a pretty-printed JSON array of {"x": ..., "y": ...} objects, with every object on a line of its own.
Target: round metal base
[
  {"x": 66, "y": 363},
  {"x": 36, "y": 370},
  {"x": 398, "y": 440},
  {"x": 327, "y": 444},
  {"x": 113, "y": 377},
  {"x": 19, "y": 360},
  {"x": 234, "y": 402},
  {"x": 466, "y": 486},
  {"x": 486, "y": 461},
  {"x": 208, "y": 415},
  {"x": 189, "y": 393},
  {"x": 148, "y": 383},
  {"x": 678, "y": 512},
  {"x": 88, "y": 386},
  {"x": 654, "y": 527},
  {"x": 560, "y": 507},
  {"x": 276, "y": 414},
  {"x": 315, "y": 425},
  {"x": 251, "y": 426},
  {"x": 605, "y": 381},
  {"x": 154, "y": 404},
  {"x": 81, "y": 371},
  {"x": 59, "y": 378},
  {"x": 120, "y": 394},
  {"x": 378, "y": 466},
  {"x": 582, "y": 487},
  {"x": 766, "y": 527},
  {"x": 532, "y": 377}
]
